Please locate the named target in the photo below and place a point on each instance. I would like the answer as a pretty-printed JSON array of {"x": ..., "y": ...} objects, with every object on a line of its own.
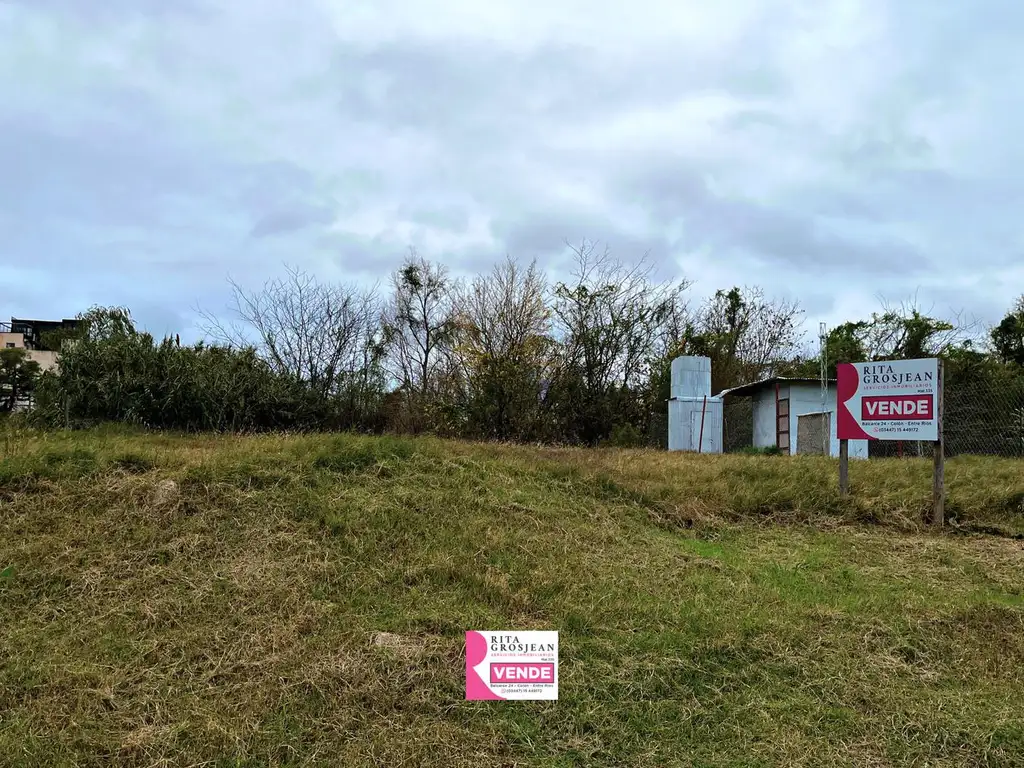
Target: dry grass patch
[{"x": 302, "y": 601}]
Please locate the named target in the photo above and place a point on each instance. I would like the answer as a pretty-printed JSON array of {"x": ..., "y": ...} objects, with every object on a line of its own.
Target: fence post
[
  {"x": 844, "y": 467},
  {"x": 939, "y": 457}
]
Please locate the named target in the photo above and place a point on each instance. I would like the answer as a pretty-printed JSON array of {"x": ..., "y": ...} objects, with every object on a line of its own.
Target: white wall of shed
[
  {"x": 764, "y": 418},
  {"x": 803, "y": 398},
  {"x": 806, "y": 398}
]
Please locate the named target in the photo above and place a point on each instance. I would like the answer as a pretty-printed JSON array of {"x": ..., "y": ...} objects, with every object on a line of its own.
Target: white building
[
  {"x": 789, "y": 413},
  {"x": 28, "y": 335}
]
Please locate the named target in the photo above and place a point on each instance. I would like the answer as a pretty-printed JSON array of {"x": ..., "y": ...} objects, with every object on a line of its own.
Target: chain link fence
[
  {"x": 737, "y": 426},
  {"x": 982, "y": 418},
  {"x": 657, "y": 431},
  {"x": 985, "y": 419}
]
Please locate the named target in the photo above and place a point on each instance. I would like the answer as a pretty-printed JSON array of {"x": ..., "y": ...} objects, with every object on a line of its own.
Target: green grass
[{"x": 173, "y": 600}]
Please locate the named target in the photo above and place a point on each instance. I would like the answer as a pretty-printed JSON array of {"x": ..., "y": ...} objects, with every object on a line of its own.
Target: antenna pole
[{"x": 823, "y": 364}]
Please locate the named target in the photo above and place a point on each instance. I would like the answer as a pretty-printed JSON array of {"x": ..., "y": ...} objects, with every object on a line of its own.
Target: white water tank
[
  {"x": 691, "y": 377},
  {"x": 695, "y": 424},
  {"x": 694, "y": 417}
]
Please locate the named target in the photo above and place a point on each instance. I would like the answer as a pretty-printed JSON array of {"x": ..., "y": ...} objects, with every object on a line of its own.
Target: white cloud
[{"x": 828, "y": 151}]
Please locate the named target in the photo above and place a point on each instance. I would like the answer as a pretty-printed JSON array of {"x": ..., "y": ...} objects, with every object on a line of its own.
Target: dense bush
[{"x": 121, "y": 375}]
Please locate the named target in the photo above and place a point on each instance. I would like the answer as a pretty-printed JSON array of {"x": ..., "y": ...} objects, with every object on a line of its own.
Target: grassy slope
[{"x": 713, "y": 610}]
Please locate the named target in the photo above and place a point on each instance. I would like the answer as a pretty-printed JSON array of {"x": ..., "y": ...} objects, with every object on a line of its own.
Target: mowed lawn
[{"x": 276, "y": 600}]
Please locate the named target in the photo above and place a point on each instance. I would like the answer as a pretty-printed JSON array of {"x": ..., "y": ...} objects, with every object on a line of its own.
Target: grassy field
[{"x": 220, "y": 601}]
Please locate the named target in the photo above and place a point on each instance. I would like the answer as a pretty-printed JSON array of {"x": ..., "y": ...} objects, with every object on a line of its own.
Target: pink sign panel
[{"x": 511, "y": 665}]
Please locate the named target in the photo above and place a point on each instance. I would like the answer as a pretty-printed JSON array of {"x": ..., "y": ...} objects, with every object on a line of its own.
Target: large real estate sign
[{"x": 896, "y": 400}]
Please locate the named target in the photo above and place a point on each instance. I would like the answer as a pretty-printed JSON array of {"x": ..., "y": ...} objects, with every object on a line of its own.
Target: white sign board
[{"x": 896, "y": 400}]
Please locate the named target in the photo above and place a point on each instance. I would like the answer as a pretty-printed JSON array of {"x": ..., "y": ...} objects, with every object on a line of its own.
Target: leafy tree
[
  {"x": 18, "y": 378},
  {"x": 584, "y": 361},
  {"x": 747, "y": 336},
  {"x": 895, "y": 333},
  {"x": 843, "y": 344},
  {"x": 105, "y": 324},
  {"x": 1008, "y": 337},
  {"x": 112, "y": 372},
  {"x": 846, "y": 344}
]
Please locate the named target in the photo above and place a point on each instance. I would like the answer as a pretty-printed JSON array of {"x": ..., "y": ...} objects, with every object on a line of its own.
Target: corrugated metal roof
[{"x": 754, "y": 386}]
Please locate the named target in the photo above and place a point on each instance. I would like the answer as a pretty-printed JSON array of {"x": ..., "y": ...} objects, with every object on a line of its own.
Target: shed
[{"x": 788, "y": 413}]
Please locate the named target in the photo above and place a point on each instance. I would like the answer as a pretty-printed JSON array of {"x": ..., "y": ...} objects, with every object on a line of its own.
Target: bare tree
[
  {"x": 503, "y": 311},
  {"x": 503, "y": 347},
  {"x": 420, "y": 322},
  {"x": 321, "y": 334},
  {"x": 612, "y": 319},
  {"x": 612, "y": 316}
]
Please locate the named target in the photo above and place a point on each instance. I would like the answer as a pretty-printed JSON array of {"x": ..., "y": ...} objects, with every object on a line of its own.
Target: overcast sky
[{"x": 828, "y": 151}]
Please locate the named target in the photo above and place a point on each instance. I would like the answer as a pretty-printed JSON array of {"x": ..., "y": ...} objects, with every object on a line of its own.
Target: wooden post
[
  {"x": 844, "y": 467},
  {"x": 939, "y": 458}
]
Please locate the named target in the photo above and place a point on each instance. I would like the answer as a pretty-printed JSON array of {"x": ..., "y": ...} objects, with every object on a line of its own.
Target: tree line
[{"x": 507, "y": 355}]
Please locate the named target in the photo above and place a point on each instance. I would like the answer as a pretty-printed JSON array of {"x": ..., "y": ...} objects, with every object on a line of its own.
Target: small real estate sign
[
  {"x": 511, "y": 665},
  {"x": 893, "y": 400}
]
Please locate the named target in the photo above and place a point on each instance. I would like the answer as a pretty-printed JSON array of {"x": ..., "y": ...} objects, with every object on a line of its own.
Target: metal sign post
[{"x": 844, "y": 467}]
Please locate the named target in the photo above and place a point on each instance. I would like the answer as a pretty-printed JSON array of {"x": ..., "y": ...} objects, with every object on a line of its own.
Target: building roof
[
  {"x": 745, "y": 390},
  {"x": 65, "y": 321}
]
